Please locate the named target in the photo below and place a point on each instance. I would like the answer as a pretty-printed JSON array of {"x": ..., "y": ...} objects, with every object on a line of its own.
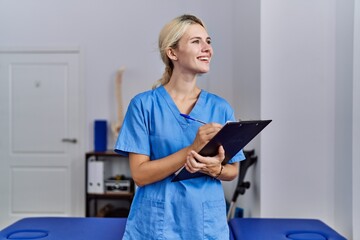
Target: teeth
[{"x": 204, "y": 58}]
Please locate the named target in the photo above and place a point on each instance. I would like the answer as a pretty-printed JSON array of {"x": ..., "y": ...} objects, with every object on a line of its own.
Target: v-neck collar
[{"x": 195, "y": 111}]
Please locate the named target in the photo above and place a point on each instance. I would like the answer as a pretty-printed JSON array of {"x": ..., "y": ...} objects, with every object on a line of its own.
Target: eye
[
  {"x": 196, "y": 41},
  {"x": 208, "y": 41}
]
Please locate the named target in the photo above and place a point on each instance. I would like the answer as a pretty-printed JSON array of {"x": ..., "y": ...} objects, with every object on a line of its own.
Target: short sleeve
[{"x": 134, "y": 134}]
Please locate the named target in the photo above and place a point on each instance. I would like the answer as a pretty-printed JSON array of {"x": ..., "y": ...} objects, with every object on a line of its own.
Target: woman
[{"x": 159, "y": 141}]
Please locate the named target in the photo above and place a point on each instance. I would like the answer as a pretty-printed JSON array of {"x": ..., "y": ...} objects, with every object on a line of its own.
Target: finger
[
  {"x": 211, "y": 128},
  {"x": 191, "y": 169},
  {"x": 214, "y": 125},
  {"x": 221, "y": 153},
  {"x": 201, "y": 159},
  {"x": 194, "y": 164}
]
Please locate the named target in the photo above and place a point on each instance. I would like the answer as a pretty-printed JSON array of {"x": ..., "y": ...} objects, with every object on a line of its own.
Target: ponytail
[{"x": 165, "y": 77}]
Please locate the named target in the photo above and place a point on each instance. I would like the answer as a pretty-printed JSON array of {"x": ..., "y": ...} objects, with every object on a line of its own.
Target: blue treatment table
[
  {"x": 281, "y": 229},
  {"x": 71, "y": 228},
  {"x": 66, "y": 228}
]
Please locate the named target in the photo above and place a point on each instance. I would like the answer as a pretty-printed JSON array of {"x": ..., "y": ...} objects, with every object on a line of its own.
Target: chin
[{"x": 203, "y": 71}]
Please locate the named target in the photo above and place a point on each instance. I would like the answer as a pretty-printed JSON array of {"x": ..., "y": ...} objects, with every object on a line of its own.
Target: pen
[{"x": 194, "y": 119}]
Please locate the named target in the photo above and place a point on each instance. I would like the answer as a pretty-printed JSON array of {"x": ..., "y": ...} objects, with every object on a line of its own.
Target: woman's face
[{"x": 194, "y": 51}]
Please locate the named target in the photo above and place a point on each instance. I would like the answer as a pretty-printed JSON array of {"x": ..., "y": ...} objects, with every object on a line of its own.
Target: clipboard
[{"x": 233, "y": 136}]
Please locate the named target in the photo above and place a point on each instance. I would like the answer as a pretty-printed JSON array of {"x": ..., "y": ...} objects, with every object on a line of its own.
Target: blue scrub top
[{"x": 189, "y": 209}]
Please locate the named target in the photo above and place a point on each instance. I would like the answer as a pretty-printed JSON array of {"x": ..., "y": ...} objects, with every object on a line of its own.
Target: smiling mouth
[{"x": 204, "y": 59}]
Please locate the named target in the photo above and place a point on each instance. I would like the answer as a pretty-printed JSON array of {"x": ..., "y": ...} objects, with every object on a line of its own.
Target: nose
[{"x": 206, "y": 47}]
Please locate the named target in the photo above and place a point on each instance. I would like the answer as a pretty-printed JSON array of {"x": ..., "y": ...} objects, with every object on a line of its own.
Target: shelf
[
  {"x": 92, "y": 199},
  {"x": 110, "y": 195},
  {"x": 108, "y": 153}
]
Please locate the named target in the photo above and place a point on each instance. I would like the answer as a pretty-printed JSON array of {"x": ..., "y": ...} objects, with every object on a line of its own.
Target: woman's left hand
[{"x": 208, "y": 165}]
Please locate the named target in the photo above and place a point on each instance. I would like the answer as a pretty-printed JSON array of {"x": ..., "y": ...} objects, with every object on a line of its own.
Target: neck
[
  {"x": 183, "y": 93},
  {"x": 181, "y": 87}
]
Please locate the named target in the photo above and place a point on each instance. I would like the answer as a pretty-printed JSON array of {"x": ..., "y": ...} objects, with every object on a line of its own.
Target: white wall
[
  {"x": 306, "y": 77},
  {"x": 246, "y": 90},
  {"x": 356, "y": 125},
  {"x": 297, "y": 93},
  {"x": 344, "y": 28}
]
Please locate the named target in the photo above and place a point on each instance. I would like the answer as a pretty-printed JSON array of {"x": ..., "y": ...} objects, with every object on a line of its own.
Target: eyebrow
[{"x": 208, "y": 38}]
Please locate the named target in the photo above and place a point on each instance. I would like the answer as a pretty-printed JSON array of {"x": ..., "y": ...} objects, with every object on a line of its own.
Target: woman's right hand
[{"x": 204, "y": 134}]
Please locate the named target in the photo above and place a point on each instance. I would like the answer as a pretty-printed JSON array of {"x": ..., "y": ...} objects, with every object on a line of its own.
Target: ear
[{"x": 171, "y": 54}]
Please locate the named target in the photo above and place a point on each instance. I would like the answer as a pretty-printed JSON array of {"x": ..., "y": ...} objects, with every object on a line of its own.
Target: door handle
[{"x": 69, "y": 140}]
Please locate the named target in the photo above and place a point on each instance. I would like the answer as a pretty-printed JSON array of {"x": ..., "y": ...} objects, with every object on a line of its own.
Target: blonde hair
[{"x": 169, "y": 38}]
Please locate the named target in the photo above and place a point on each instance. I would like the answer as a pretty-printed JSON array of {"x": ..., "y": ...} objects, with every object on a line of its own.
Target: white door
[{"x": 41, "y": 157}]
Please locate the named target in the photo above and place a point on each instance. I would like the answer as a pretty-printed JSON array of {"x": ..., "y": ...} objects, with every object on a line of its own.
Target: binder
[
  {"x": 233, "y": 136},
  {"x": 91, "y": 176},
  {"x": 98, "y": 171}
]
